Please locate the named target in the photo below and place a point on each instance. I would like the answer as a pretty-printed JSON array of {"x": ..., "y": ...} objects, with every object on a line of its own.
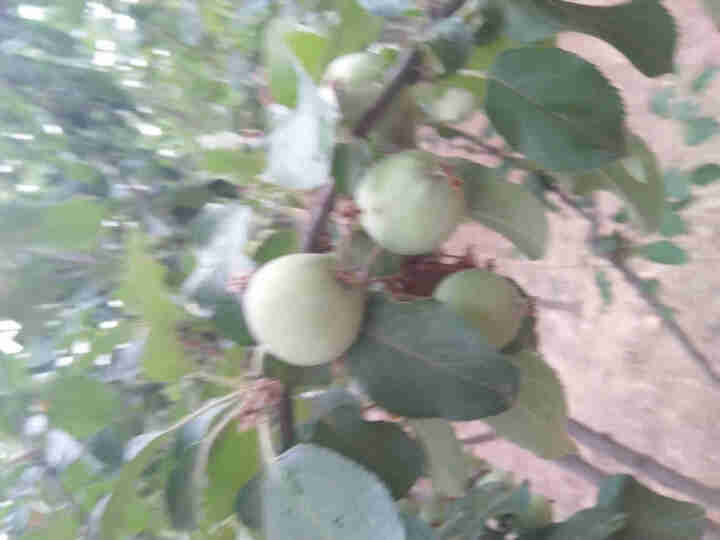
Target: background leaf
[
  {"x": 650, "y": 515},
  {"x": 703, "y": 80},
  {"x": 663, "y": 252},
  {"x": 698, "y": 130},
  {"x": 705, "y": 174},
  {"x": 423, "y": 345},
  {"x": 579, "y": 125}
]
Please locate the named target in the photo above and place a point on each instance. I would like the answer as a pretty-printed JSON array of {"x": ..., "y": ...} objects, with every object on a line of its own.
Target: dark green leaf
[
  {"x": 296, "y": 376},
  {"x": 230, "y": 321},
  {"x": 538, "y": 419},
  {"x": 509, "y": 209},
  {"x": 699, "y": 130},
  {"x": 381, "y": 447},
  {"x": 350, "y": 161},
  {"x": 604, "y": 285},
  {"x": 312, "y": 492},
  {"x": 705, "y": 174},
  {"x": 649, "y": 514},
  {"x": 450, "y": 41},
  {"x": 578, "y": 125},
  {"x": 591, "y": 524},
  {"x": 82, "y": 405},
  {"x": 663, "y": 252},
  {"x": 702, "y": 81},
  {"x": 660, "y": 102},
  {"x": 277, "y": 244},
  {"x": 643, "y": 30},
  {"x": 423, "y": 345},
  {"x": 673, "y": 224}
]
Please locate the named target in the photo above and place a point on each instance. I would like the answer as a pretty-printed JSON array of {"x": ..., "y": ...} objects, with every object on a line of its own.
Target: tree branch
[
  {"x": 636, "y": 282},
  {"x": 643, "y": 464}
]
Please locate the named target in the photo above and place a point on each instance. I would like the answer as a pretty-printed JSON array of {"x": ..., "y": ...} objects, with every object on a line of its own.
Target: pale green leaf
[
  {"x": 699, "y": 130},
  {"x": 447, "y": 464},
  {"x": 537, "y": 421},
  {"x": 509, "y": 209}
]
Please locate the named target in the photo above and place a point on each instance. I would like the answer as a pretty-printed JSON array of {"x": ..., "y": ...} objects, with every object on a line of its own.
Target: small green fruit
[
  {"x": 538, "y": 514},
  {"x": 487, "y": 301},
  {"x": 408, "y": 207},
  {"x": 357, "y": 80},
  {"x": 298, "y": 309}
]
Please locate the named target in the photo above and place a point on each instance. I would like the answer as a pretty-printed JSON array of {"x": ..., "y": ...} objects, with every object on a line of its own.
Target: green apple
[
  {"x": 407, "y": 206},
  {"x": 298, "y": 309}
]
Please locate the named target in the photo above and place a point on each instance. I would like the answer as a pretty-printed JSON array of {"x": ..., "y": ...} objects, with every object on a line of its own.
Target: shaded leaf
[
  {"x": 631, "y": 27},
  {"x": 450, "y": 41},
  {"x": 538, "y": 419},
  {"x": 313, "y": 492},
  {"x": 705, "y": 174},
  {"x": 423, "y": 345},
  {"x": 579, "y": 125},
  {"x": 509, "y": 209},
  {"x": 447, "y": 465},
  {"x": 649, "y": 514},
  {"x": 699, "y": 130},
  {"x": 636, "y": 179},
  {"x": 663, "y": 252},
  {"x": 381, "y": 447},
  {"x": 673, "y": 224}
]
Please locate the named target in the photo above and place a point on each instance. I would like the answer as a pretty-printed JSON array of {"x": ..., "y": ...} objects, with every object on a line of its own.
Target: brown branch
[
  {"x": 643, "y": 464},
  {"x": 637, "y": 283}
]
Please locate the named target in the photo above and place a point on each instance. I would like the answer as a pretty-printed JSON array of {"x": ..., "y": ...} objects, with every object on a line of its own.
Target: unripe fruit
[
  {"x": 357, "y": 80},
  {"x": 408, "y": 207},
  {"x": 538, "y": 514},
  {"x": 487, "y": 301},
  {"x": 298, "y": 309}
]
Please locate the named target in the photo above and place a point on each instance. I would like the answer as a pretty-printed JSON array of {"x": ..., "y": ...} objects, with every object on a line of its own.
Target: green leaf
[
  {"x": 311, "y": 50},
  {"x": 350, "y": 161},
  {"x": 450, "y": 41},
  {"x": 73, "y": 224},
  {"x": 116, "y": 522},
  {"x": 416, "y": 528},
  {"x": 509, "y": 209},
  {"x": 230, "y": 320},
  {"x": 296, "y": 376},
  {"x": 677, "y": 184},
  {"x": 663, "y": 252},
  {"x": 313, "y": 492},
  {"x": 673, "y": 224},
  {"x": 556, "y": 108},
  {"x": 301, "y": 146},
  {"x": 423, "y": 345},
  {"x": 233, "y": 461},
  {"x": 239, "y": 163},
  {"x": 278, "y": 243},
  {"x": 661, "y": 101},
  {"x": 699, "y": 130},
  {"x": 144, "y": 289},
  {"x": 381, "y": 447},
  {"x": 705, "y": 174},
  {"x": 604, "y": 285},
  {"x": 538, "y": 419},
  {"x": 279, "y": 61},
  {"x": 649, "y": 514},
  {"x": 702, "y": 81},
  {"x": 82, "y": 405},
  {"x": 447, "y": 464},
  {"x": 590, "y": 524},
  {"x": 636, "y": 179},
  {"x": 630, "y": 27}
]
